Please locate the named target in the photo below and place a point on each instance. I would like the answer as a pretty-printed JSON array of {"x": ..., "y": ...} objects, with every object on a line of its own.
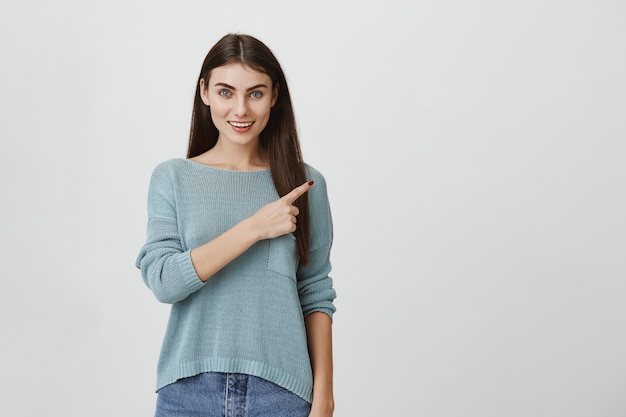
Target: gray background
[{"x": 474, "y": 153}]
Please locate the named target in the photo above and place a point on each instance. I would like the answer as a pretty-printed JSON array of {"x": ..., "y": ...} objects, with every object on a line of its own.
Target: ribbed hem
[{"x": 302, "y": 389}]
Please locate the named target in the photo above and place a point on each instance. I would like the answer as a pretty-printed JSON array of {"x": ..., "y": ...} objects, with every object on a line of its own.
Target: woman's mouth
[{"x": 240, "y": 125}]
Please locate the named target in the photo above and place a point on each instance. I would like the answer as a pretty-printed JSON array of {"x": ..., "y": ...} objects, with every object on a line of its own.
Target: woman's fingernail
[{"x": 311, "y": 182}]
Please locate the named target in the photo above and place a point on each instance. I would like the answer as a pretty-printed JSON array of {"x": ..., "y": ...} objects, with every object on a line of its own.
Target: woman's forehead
[{"x": 238, "y": 75}]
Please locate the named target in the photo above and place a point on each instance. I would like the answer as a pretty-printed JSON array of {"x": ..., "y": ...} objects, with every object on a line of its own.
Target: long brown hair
[{"x": 279, "y": 138}]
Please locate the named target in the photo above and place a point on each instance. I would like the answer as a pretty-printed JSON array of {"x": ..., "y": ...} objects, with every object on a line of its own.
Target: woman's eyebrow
[
  {"x": 230, "y": 87},
  {"x": 256, "y": 87}
]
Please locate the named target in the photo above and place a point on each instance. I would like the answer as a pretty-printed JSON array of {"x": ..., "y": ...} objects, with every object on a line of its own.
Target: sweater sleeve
[
  {"x": 315, "y": 286},
  {"x": 165, "y": 265}
]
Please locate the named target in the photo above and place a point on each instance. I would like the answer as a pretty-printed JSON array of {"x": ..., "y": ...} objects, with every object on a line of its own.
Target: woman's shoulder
[
  {"x": 170, "y": 164},
  {"x": 318, "y": 194},
  {"x": 314, "y": 174},
  {"x": 167, "y": 172}
]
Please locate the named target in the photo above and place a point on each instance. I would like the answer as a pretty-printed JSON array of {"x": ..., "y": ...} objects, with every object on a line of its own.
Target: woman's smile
[{"x": 241, "y": 127}]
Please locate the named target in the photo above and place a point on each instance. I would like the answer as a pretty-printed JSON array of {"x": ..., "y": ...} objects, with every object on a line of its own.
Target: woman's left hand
[{"x": 322, "y": 410}]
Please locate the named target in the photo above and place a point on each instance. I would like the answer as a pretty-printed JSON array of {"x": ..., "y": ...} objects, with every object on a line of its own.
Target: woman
[{"x": 250, "y": 325}]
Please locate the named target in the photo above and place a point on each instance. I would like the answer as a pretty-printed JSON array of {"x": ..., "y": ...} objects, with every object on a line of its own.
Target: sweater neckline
[{"x": 198, "y": 164}]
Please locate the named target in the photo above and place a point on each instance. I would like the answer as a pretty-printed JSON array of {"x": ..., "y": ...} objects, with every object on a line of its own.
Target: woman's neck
[{"x": 234, "y": 157}]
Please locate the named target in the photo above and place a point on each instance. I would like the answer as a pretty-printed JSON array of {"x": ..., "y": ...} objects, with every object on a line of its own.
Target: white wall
[{"x": 476, "y": 162}]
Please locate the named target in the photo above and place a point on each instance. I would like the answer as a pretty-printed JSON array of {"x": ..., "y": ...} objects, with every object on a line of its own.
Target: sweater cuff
[
  {"x": 327, "y": 310},
  {"x": 188, "y": 273}
]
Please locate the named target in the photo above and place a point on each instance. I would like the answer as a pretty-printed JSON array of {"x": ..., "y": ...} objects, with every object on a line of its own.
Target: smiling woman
[{"x": 252, "y": 301}]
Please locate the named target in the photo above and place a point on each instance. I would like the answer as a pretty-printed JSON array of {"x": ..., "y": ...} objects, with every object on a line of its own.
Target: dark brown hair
[{"x": 279, "y": 138}]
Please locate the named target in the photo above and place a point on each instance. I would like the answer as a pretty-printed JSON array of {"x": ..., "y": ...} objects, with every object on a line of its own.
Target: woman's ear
[
  {"x": 204, "y": 93},
  {"x": 274, "y": 94}
]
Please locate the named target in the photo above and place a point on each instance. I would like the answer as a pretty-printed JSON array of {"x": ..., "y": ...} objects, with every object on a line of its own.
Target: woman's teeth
[{"x": 238, "y": 124}]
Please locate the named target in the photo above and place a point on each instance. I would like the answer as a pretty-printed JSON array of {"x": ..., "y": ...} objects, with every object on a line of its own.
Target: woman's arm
[
  {"x": 272, "y": 220},
  {"x": 319, "y": 335},
  {"x": 216, "y": 254}
]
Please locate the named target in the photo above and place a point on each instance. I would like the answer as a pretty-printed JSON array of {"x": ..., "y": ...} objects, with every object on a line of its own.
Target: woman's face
[{"x": 240, "y": 101}]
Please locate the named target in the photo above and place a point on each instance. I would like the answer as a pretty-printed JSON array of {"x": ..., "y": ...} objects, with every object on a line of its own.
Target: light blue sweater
[{"x": 248, "y": 317}]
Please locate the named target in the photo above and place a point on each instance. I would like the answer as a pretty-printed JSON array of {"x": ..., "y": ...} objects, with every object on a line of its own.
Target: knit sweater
[{"x": 248, "y": 317}]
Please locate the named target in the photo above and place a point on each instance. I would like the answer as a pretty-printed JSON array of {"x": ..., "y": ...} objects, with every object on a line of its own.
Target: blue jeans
[{"x": 228, "y": 395}]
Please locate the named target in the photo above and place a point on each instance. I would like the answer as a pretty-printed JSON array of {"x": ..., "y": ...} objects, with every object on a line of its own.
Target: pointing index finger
[{"x": 297, "y": 192}]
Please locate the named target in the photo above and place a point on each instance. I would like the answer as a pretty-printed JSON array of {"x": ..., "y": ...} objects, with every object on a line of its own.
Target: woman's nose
[{"x": 241, "y": 108}]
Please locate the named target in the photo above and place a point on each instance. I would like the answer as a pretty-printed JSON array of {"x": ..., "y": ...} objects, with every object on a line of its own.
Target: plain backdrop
[{"x": 476, "y": 162}]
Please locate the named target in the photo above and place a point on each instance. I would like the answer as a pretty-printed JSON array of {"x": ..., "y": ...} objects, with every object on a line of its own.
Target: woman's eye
[
  {"x": 256, "y": 94},
  {"x": 224, "y": 93}
]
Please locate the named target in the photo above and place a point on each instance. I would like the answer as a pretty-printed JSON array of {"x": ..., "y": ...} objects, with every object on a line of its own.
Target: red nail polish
[{"x": 311, "y": 182}]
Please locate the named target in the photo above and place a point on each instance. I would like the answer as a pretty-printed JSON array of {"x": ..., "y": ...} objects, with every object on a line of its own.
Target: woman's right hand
[{"x": 278, "y": 218}]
